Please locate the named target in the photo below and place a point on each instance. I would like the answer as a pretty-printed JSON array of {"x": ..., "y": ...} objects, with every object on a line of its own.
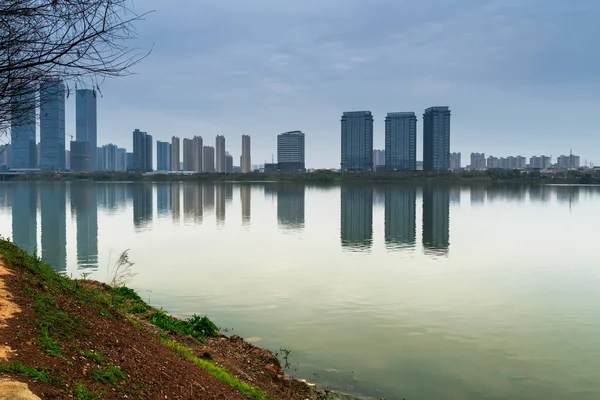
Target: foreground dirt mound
[{"x": 74, "y": 339}]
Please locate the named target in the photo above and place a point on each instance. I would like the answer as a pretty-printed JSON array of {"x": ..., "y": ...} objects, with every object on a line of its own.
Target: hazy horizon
[{"x": 518, "y": 76}]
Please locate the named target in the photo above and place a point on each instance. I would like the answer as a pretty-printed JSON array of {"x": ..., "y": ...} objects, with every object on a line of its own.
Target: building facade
[
  {"x": 357, "y": 141},
  {"x": 568, "y": 162},
  {"x": 229, "y": 163},
  {"x": 22, "y": 132},
  {"x": 198, "y": 144},
  {"x": 175, "y": 153},
  {"x": 188, "y": 155},
  {"x": 80, "y": 156},
  {"x": 52, "y": 125},
  {"x": 163, "y": 156},
  {"x": 401, "y": 141},
  {"x": 86, "y": 125},
  {"x": 478, "y": 161},
  {"x": 220, "y": 153},
  {"x": 142, "y": 151},
  {"x": 290, "y": 152},
  {"x": 436, "y": 139},
  {"x": 455, "y": 161},
  {"x": 121, "y": 163},
  {"x": 379, "y": 159},
  {"x": 208, "y": 158},
  {"x": 493, "y": 162},
  {"x": 245, "y": 161}
]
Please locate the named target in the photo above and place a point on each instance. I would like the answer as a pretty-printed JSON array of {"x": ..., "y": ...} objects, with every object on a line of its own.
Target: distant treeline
[{"x": 324, "y": 176}]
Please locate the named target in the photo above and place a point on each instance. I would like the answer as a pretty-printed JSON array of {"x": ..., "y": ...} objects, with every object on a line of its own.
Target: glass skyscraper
[
  {"x": 163, "y": 156},
  {"x": 436, "y": 139},
  {"x": 290, "y": 151},
  {"x": 357, "y": 141},
  {"x": 22, "y": 135},
  {"x": 142, "y": 152},
  {"x": 401, "y": 141},
  {"x": 52, "y": 125},
  {"x": 86, "y": 128}
]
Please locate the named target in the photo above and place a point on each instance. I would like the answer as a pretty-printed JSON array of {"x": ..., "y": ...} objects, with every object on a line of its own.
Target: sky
[{"x": 520, "y": 76}]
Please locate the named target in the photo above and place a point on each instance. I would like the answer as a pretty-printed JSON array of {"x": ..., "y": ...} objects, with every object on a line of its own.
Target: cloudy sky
[{"x": 520, "y": 76}]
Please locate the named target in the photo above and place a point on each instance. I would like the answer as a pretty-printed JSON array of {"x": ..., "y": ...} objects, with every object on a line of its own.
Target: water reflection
[
  {"x": 220, "y": 192},
  {"x": 84, "y": 208},
  {"x": 356, "y": 221},
  {"x": 208, "y": 197},
  {"x": 142, "y": 206},
  {"x": 24, "y": 216},
  {"x": 53, "y": 197},
  {"x": 175, "y": 202},
  {"x": 164, "y": 198},
  {"x": 245, "y": 197},
  {"x": 192, "y": 202},
  {"x": 436, "y": 220},
  {"x": 290, "y": 206},
  {"x": 400, "y": 217}
]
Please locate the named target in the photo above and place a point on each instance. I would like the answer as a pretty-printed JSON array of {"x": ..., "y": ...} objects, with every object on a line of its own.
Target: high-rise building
[
  {"x": 401, "y": 141},
  {"x": 163, "y": 156},
  {"x": 198, "y": 153},
  {"x": 455, "y": 161},
  {"x": 121, "y": 163},
  {"x": 229, "y": 163},
  {"x": 175, "y": 153},
  {"x": 208, "y": 158},
  {"x": 109, "y": 157},
  {"x": 188, "y": 155},
  {"x": 67, "y": 159},
  {"x": 129, "y": 161},
  {"x": 22, "y": 135},
  {"x": 478, "y": 162},
  {"x": 100, "y": 159},
  {"x": 52, "y": 125},
  {"x": 436, "y": 139},
  {"x": 568, "y": 162},
  {"x": 80, "y": 156},
  {"x": 245, "y": 162},
  {"x": 142, "y": 152},
  {"x": 493, "y": 162},
  {"x": 220, "y": 153},
  {"x": 379, "y": 159},
  {"x": 86, "y": 128},
  {"x": 357, "y": 141},
  {"x": 290, "y": 151},
  {"x": 541, "y": 162}
]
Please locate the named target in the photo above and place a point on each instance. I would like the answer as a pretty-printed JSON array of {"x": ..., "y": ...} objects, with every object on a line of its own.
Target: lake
[{"x": 414, "y": 292}]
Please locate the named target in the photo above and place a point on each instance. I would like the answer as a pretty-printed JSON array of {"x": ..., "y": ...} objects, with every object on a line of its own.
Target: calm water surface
[{"x": 395, "y": 291}]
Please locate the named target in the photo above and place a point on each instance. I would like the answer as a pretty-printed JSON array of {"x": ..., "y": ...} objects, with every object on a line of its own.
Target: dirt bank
[{"x": 64, "y": 339}]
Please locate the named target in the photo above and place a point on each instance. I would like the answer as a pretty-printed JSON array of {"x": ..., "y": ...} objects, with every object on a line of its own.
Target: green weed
[
  {"x": 80, "y": 392},
  {"x": 17, "y": 367},
  {"x": 108, "y": 375},
  {"x": 197, "y": 327},
  {"x": 94, "y": 356}
]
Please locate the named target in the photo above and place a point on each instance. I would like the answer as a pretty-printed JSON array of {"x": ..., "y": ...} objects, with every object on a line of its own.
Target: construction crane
[{"x": 71, "y": 136}]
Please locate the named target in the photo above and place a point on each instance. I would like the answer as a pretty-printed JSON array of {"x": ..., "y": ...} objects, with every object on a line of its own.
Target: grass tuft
[
  {"x": 197, "y": 327},
  {"x": 80, "y": 392},
  {"x": 94, "y": 356},
  {"x": 17, "y": 367},
  {"x": 108, "y": 375}
]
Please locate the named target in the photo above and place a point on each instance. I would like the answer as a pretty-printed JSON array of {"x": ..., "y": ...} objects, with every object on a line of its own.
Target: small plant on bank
[
  {"x": 94, "y": 356},
  {"x": 17, "y": 367},
  {"x": 197, "y": 327},
  {"x": 203, "y": 325},
  {"x": 121, "y": 271},
  {"x": 108, "y": 375},
  {"x": 80, "y": 392}
]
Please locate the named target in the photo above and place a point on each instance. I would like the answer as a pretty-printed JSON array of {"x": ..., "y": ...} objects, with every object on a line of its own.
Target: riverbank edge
[
  {"x": 330, "y": 177},
  {"x": 50, "y": 348}
]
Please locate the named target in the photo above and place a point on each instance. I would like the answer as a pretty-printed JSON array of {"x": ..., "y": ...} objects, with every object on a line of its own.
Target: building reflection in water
[
  {"x": 245, "y": 197},
  {"x": 112, "y": 196},
  {"x": 53, "y": 198},
  {"x": 539, "y": 193},
  {"x": 192, "y": 202},
  {"x": 400, "y": 217},
  {"x": 356, "y": 222},
  {"x": 24, "y": 216},
  {"x": 228, "y": 192},
  {"x": 290, "y": 206},
  {"x": 455, "y": 194},
  {"x": 84, "y": 208},
  {"x": 176, "y": 201},
  {"x": 142, "y": 205},
  {"x": 564, "y": 194},
  {"x": 164, "y": 199},
  {"x": 477, "y": 194},
  {"x": 220, "y": 200},
  {"x": 436, "y": 220},
  {"x": 208, "y": 196}
]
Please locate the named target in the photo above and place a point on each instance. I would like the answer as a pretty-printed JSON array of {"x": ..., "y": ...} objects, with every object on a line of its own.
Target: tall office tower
[
  {"x": 163, "y": 156},
  {"x": 220, "y": 153},
  {"x": 142, "y": 152},
  {"x": 175, "y": 153},
  {"x": 129, "y": 161},
  {"x": 100, "y": 159},
  {"x": 229, "y": 163},
  {"x": 67, "y": 159},
  {"x": 197, "y": 146},
  {"x": 245, "y": 162},
  {"x": 357, "y": 141},
  {"x": 436, "y": 219},
  {"x": 290, "y": 151},
  {"x": 121, "y": 159},
  {"x": 24, "y": 216},
  {"x": 22, "y": 132},
  {"x": 477, "y": 161},
  {"x": 455, "y": 161},
  {"x": 86, "y": 126},
  {"x": 436, "y": 139},
  {"x": 52, "y": 125},
  {"x": 109, "y": 157},
  {"x": 378, "y": 159},
  {"x": 401, "y": 141},
  {"x": 80, "y": 156},
  {"x": 356, "y": 221},
  {"x": 54, "y": 224},
  {"x": 188, "y": 155},
  {"x": 208, "y": 158}
]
